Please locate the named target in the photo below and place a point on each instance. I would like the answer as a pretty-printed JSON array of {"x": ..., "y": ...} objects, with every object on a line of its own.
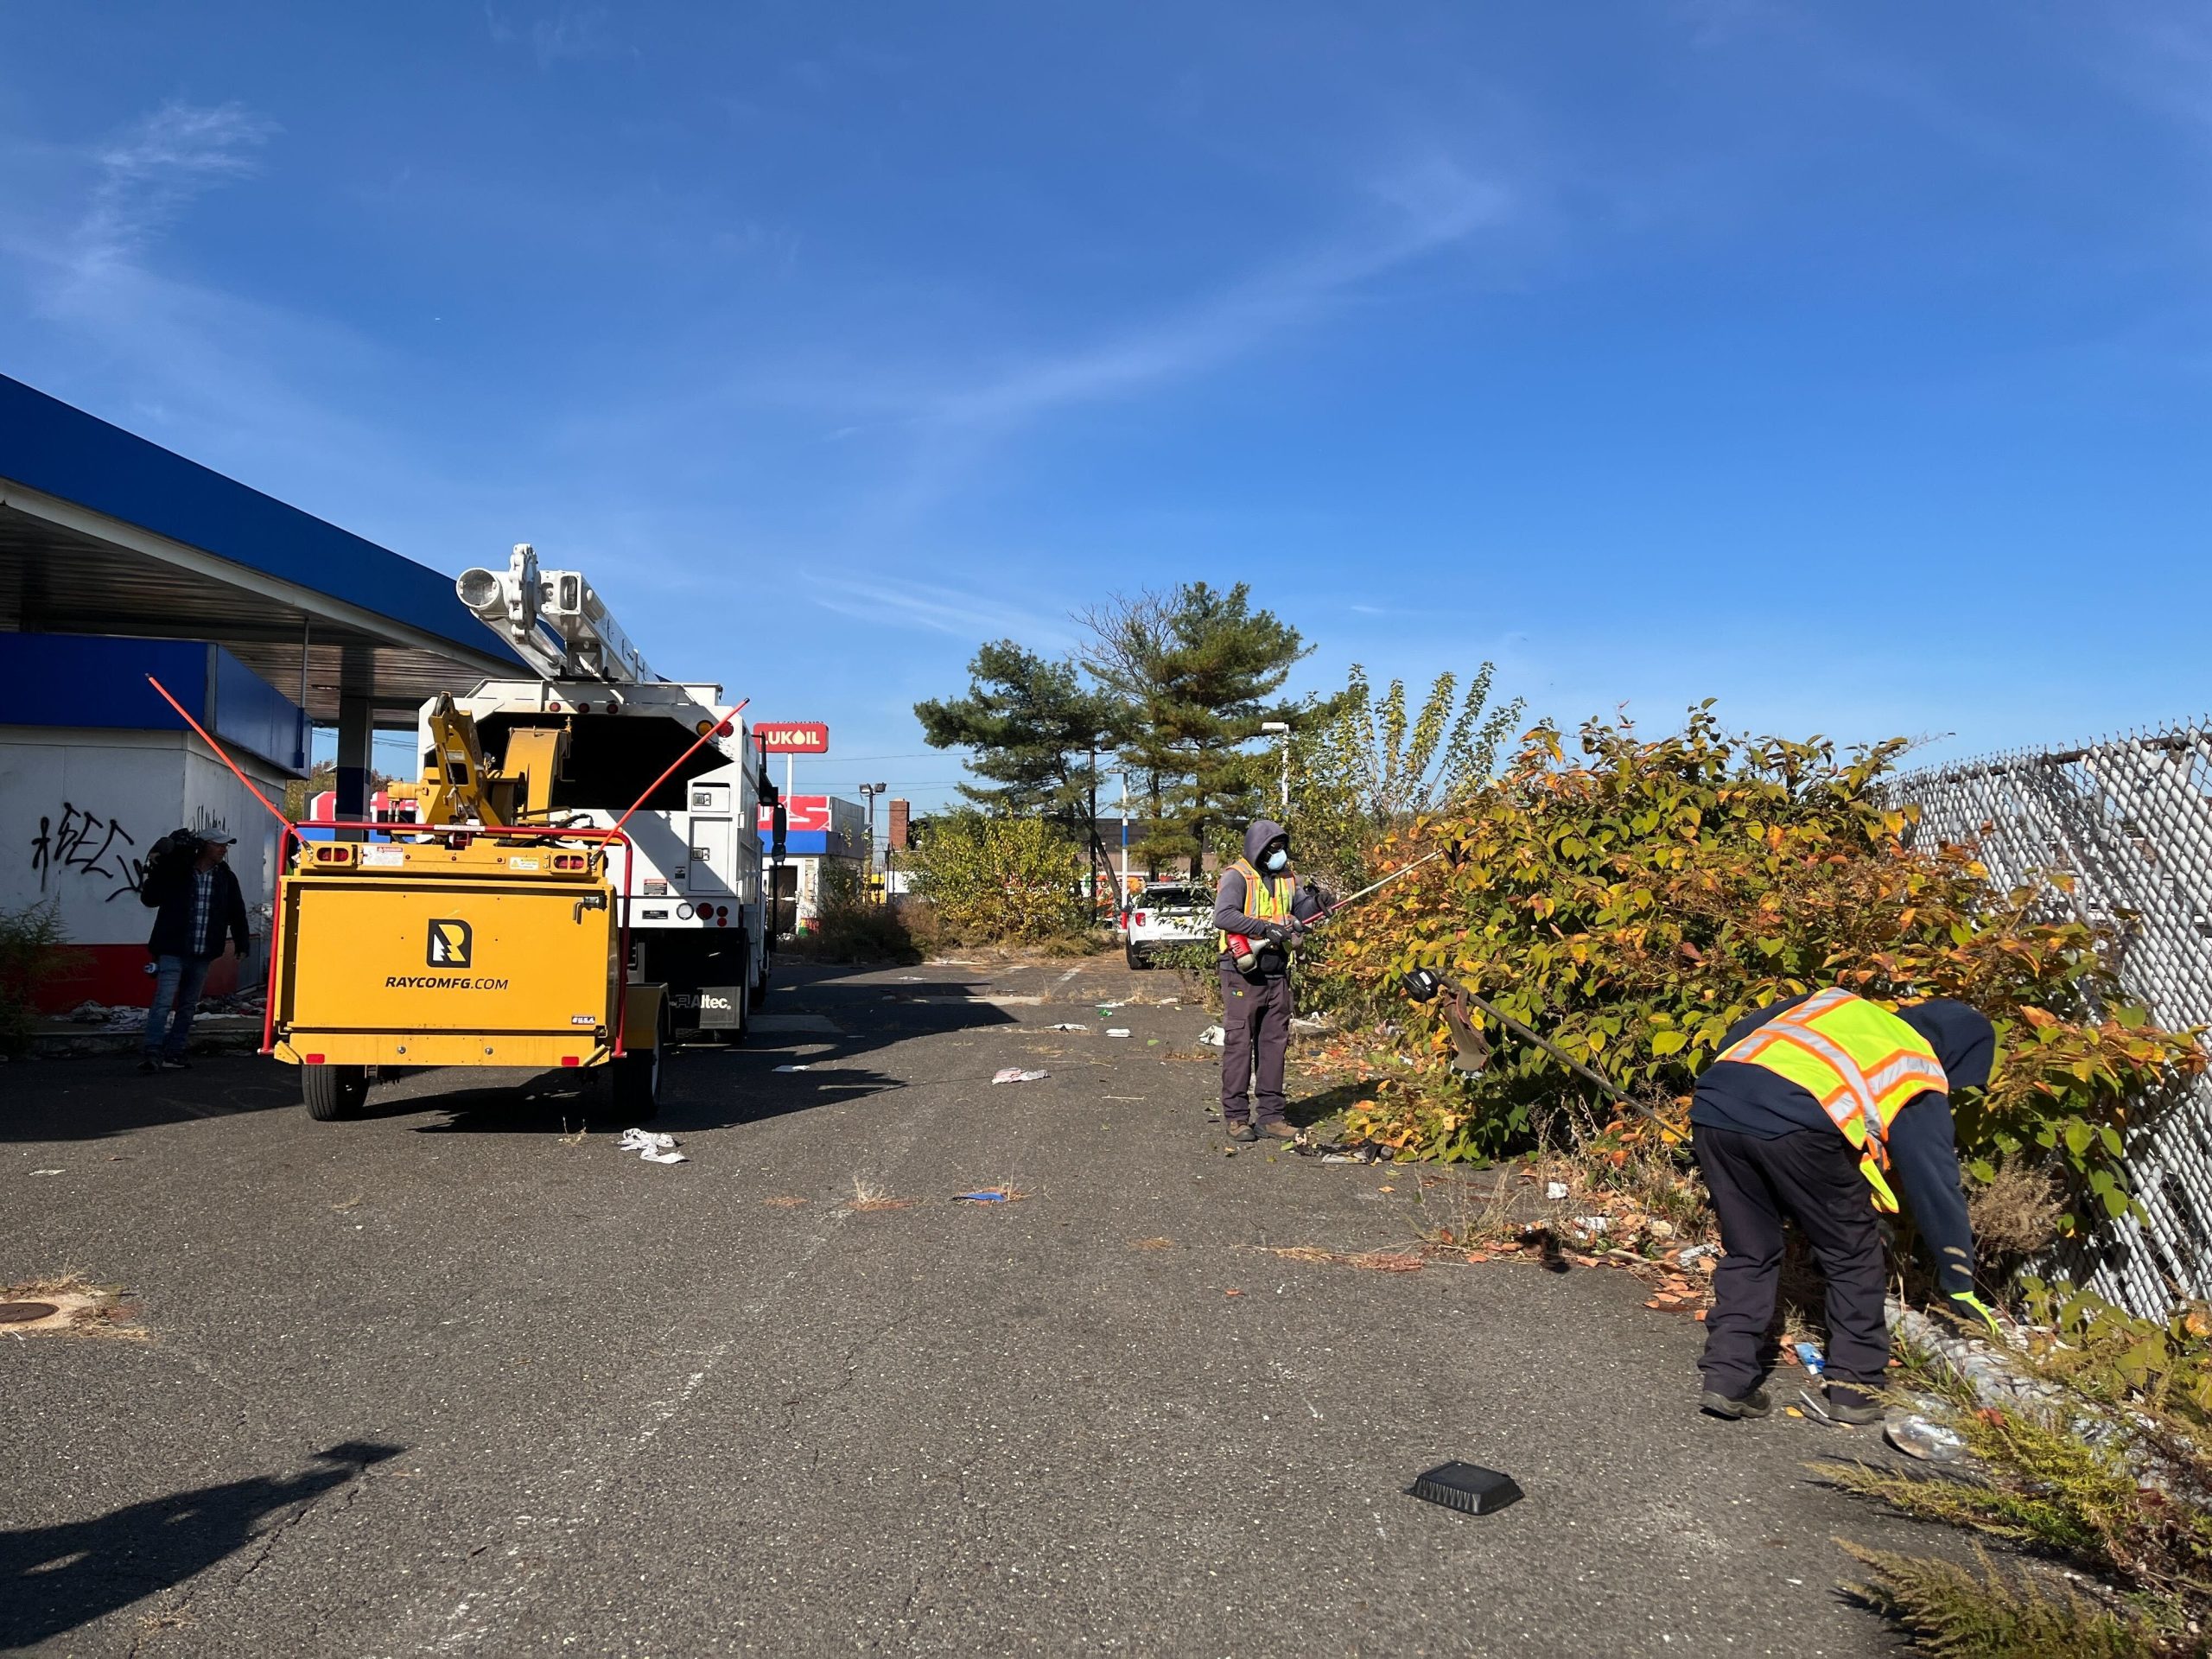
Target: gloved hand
[{"x": 1278, "y": 935}]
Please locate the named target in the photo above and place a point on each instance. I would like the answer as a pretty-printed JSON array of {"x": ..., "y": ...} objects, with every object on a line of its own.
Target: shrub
[
  {"x": 992, "y": 880},
  {"x": 850, "y": 926},
  {"x": 1633, "y": 901},
  {"x": 34, "y": 952}
]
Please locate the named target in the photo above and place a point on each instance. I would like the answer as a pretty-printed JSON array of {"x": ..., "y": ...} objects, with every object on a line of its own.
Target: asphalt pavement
[{"x": 462, "y": 1377}]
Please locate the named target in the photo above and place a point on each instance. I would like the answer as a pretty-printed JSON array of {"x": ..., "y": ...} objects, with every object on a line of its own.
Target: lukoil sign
[{"x": 788, "y": 737}]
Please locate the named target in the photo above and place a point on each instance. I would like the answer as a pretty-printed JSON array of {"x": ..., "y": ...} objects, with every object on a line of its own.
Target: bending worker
[
  {"x": 1259, "y": 902},
  {"x": 1814, "y": 1106}
]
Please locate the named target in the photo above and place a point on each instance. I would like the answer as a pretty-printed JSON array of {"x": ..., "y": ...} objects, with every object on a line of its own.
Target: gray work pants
[{"x": 1256, "y": 1036}]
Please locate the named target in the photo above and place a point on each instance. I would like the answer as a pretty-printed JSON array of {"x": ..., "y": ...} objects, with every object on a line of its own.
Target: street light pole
[
  {"x": 868, "y": 792},
  {"x": 1122, "y": 898},
  {"x": 1282, "y": 729}
]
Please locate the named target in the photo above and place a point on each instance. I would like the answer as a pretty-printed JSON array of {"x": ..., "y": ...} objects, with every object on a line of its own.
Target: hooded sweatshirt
[
  {"x": 1752, "y": 1100},
  {"x": 1229, "y": 898}
]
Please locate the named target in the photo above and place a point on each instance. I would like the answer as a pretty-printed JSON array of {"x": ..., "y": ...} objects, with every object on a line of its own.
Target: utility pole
[
  {"x": 1121, "y": 893},
  {"x": 1091, "y": 850},
  {"x": 1280, "y": 728},
  {"x": 868, "y": 792}
]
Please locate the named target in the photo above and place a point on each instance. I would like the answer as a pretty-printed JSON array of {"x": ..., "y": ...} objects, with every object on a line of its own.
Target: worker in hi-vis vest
[
  {"x": 1823, "y": 1109},
  {"x": 1259, "y": 910}
]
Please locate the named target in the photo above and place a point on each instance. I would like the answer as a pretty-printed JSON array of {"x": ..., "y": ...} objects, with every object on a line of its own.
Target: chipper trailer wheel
[{"x": 334, "y": 1092}]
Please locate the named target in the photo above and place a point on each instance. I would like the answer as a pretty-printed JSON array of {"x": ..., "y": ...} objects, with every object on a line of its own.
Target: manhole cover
[{"x": 23, "y": 1313}]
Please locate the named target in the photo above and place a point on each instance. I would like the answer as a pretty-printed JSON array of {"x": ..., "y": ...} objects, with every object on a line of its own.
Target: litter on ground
[
  {"x": 990, "y": 1195},
  {"x": 1067, "y": 1024},
  {"x": 1015, "y": 1074},
  {"x": 1119, "y": 1031},
  {"x": 794, "y": 1068},
  {"x": 1555, "y": 1189},
  {"x": 653, "y": 1148},
  {"x": 1213, "y": 1037},
  {"x": 1917, "y": 1437}
]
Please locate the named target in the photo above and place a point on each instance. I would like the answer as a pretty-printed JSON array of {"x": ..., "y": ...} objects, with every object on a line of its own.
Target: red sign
[
  {"x": 802, "y": 814},
  {"x": 788, "y": 737}
]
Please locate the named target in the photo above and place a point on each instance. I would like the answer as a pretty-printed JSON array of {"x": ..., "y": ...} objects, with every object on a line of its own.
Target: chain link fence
[{"x": 2130, "y": 819}]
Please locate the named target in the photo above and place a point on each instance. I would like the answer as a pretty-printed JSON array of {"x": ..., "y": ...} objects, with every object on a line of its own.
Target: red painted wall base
[{"x": 116, "y": 974}]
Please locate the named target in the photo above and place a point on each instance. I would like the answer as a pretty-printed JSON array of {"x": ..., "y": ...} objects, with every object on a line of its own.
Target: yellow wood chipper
[{"x": 485, "y": 934}]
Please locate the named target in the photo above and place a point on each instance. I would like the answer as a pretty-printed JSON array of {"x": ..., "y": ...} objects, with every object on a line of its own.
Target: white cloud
[
  {"x": 572, "y": 32},
  {"x": 150, "y": 175},
  {"x": 1427, "y": 207},
  {"x": 960, "y": 613}
]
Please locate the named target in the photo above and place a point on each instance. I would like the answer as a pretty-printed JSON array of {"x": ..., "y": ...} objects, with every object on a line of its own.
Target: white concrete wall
[{"x": 80, "y": 810}]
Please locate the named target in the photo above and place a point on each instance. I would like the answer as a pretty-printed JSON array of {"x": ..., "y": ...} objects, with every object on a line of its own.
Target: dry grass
[
  {"x": 1367, "y": 1261},
  {"x": 88, "y": 1309},
  {"x": 868, "y": 1197},
  {"x": 783, "y": 1204},
  {"x": 1151, "y": 1243},
  {"x": 2015, "y": 1213}
]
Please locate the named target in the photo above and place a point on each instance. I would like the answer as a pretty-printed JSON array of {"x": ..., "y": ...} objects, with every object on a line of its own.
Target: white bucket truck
[{"x": 696, "y": 922}]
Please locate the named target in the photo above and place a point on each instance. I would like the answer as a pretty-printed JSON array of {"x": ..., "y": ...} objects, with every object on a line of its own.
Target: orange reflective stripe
[{"x": 1833, "y": 1055}]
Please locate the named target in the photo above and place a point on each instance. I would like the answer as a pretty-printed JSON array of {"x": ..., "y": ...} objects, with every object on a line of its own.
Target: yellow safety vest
[
  {"x": 1861, "y": 1061},
  {"x": 1262, "y": 903}
]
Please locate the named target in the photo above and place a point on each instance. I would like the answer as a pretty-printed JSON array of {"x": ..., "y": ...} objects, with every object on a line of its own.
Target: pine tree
[
  {"x": 1195, "y": 670},
  {"x": 1034, "y": 733}
]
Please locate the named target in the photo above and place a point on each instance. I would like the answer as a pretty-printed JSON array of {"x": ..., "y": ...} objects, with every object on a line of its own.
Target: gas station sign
[{"x": 793, "y": 737}]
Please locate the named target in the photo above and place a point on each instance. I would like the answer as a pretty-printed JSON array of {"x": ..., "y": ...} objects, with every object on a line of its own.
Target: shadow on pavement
[
  {"x": 707, "y": 1086},
  {"x": 54, "y": 1579},
  {"x": 97, "y": 1096}
]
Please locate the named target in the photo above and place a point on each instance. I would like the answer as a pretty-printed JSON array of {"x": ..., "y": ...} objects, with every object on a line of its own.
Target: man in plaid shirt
[{"x": 201, "y": 904}]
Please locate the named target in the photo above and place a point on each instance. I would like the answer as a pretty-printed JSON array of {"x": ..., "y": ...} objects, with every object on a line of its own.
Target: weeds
[
  {"x": 34, "y": 952},
  {"x": 867, "y": 1197},
  {"x": 2107, "y": 1472},
  {"x": 1951, "y": 1610}
]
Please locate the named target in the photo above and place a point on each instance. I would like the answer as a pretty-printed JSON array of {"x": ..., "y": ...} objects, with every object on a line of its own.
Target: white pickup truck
[{"x": 1164, "y": 914}]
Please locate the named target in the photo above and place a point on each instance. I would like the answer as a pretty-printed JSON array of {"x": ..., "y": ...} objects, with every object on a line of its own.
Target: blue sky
[{"x": 1847, "y": 363}]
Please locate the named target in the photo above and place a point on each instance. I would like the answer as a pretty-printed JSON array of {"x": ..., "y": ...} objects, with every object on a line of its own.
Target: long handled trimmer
[
  {"x": 1472, "y": 1050},
  {"x": 1247, "y": 955}
]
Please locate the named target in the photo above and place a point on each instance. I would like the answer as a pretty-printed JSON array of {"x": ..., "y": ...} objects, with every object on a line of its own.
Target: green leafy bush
[
  {"x": 1000, "y": 880},
  {"x": 1632, "y": 901}
]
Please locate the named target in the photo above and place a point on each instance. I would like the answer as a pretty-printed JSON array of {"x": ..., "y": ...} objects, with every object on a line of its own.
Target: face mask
[{"x": 1275, "y": 862}]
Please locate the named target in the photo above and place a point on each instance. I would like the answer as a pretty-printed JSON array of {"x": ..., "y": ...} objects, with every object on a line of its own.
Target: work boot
[
  {"x": 1853, "y": 1406},
  {"x": 1243, "y": 1132},
  {"x": 1754, "y": 1404},
  {"x": 150, "y": 1064},
  {"x": 1279, "y": 1127},
  {"x": 176, "y": 1063}
]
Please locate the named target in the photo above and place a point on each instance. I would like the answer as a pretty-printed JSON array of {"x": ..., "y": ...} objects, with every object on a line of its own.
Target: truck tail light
[
  {"x": 571, "y": 861},
  {"x": 572, "y": 1060},
  {"x": 1139, "y": 919},
  {"x": 335, "y": 852},
  {"x": 312, "y": 1059}
]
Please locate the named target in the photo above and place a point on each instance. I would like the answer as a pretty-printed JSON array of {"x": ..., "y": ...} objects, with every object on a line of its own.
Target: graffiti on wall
[{"x": 98, "y": 848}]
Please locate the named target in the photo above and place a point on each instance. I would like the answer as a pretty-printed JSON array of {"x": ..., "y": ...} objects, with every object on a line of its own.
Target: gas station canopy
[{"x": 103, "y": 533}]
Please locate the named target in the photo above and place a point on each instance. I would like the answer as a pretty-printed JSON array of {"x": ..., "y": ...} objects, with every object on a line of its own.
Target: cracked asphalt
[{"x": 451, "y": 1379}]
